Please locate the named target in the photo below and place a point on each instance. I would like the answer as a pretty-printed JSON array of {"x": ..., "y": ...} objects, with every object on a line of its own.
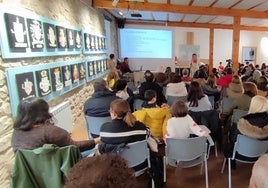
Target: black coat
[
  {"x": 210, "y": 119},
  {"x": 153, "y": 86},
  {"x": 99, "y": 104}
]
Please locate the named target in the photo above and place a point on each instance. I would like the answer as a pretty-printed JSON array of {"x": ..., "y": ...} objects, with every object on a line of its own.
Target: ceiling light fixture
[{"x": 115, "y": 2}]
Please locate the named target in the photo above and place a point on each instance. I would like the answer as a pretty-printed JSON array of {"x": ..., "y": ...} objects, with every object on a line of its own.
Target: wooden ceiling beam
[{"x": 160, "y": 7}]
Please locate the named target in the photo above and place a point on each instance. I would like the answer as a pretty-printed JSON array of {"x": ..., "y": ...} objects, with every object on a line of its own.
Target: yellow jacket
[{"x": 154, "y": 118}]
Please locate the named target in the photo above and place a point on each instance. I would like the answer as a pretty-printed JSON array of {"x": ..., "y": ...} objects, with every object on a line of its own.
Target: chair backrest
[
  {"x": 94, "y": 123},
  {"x": 237, "y": 114},
  {"x": 135, "y": 153},
  {"x": 172, "y": 99},
  {"x": 211, "y": 100},
  {"x": 226, "y": 104},
  {"x": 34, "y": 168},
  {"x": 185, "y": 149},
  {"x": 249, "y": 147},
  {"x": 137, "y": 105}
]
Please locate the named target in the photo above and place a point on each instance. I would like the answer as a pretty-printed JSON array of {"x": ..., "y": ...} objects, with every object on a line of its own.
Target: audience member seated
[
  {"x": 181, "y": 125},
  {"x": 216, "y": 73},
  {"x": 176, "y": 87},
  {"x": 240, "y": 69},
  {"x": 254, "y": 124},
  {"x": 201, "y": 77},
  {"x": 243, "y": 102},
  {"x": 210, "y": 88},
  {"x": 124, "y": 67},
  {"x": 152, "y": 115},
  {"x": 112, "y": 77},
  {"x": 262, "y": 86},
  {"x": 120, "y": 89},
  {"x": 167, "y": 71},
  {"x": 224, "y": 81},
  {"x": 160, "y": 79},
  {"x": 185, "y": 76},
  {"x": 98, "y": 105},
  {"x": 150, "y": 84},
  {"x": 104, "y": 171},
  {"x": 34, "y": 126},
  {"x": 123, "y": 128},
  {"x": 197, "y": 101},
  {"x": 203, "y": 69},
  {"x": 220, "y": 68},
  {"x": 259, "y": 173},
  {"x": 235, "y": 88}
]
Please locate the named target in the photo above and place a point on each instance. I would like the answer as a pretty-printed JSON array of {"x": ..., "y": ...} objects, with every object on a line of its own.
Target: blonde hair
[
  {"x": 258, "y": 104},
  {"x": 122, "y": 110},
  {"x": 112, "y": 74}
]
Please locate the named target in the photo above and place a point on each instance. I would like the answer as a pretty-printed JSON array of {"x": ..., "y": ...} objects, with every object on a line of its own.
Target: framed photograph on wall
[
  {"x": 43, "y": 82},
  {"x": 70, "y": 38},
  {"x": 50, "y": 35},
  {"x": 78, "y": 39},
  {"x": 62, "y": 39},
  {"x": 36, "y": 34},
  {"x": 249, "y": 54},
  {"x": 25, "y": 85},
  {"x": 56, "y": 77},
  {"x": 16, "y": 30}
]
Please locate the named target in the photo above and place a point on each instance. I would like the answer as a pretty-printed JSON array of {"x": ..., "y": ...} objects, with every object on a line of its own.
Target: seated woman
[
  {"x": 123, "y": 128},
  {"x": 262, "y": 86},
  {"x": 210, "y": 88},
  {"x": 112, "y": 77},
  {"x": 254, "y": 124},
  {"x": 181, "y": 125},
  {"x": 197, "y": 101},
  {"x": 34, "y": 127},
  {"x": 235, "y": 88},
  {"x": 152, "y": 115},
  {"x": 121, "y": 90},
  {"x": 243, "y": 102},
  {"x": 176, "y": 87}
]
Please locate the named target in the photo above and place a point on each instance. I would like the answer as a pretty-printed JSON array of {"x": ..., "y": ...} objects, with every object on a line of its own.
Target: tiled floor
[{"x": 177, "y": 177}]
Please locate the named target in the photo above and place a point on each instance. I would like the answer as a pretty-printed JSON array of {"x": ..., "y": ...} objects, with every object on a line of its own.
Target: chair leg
[
  {"x": 165, "y": 170},
  {"x": 206, "y": 172},
  {"x": 229, "y": 173},
  {"x": 223, "y": 165},
  {"x": 216, "y": 151}
]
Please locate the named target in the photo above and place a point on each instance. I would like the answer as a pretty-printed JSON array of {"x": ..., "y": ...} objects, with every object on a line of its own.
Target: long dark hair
[
  {"x": 194, "y": 94},
  {"x": 31, "y": 112}
]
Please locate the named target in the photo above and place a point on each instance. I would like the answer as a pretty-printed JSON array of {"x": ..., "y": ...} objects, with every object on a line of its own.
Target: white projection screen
[{"x": 149, "y": 48}]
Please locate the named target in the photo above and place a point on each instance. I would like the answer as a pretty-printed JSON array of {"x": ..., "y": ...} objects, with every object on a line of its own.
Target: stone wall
[{"x": 77, "y": 13}]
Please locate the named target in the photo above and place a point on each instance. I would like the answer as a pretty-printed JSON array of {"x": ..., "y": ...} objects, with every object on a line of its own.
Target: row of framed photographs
[
  {"x": 52, "y": 80},
  {"x": 35, "y": 36}
]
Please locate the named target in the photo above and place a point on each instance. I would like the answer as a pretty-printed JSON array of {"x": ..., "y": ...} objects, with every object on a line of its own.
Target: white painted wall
[
  {"x": 222, "y": 46},
  {"x": 255, "y": 39}
]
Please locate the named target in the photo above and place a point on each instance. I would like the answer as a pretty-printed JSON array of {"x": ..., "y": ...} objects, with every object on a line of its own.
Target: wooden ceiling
[{"x": 253, "y": 14}]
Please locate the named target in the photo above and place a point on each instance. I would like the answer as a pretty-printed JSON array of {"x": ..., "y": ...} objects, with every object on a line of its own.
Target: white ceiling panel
[
  {"x": 190, "y": 17},
  {"x": 262, "y": 7},
  {"x": 246, "y": 4},
  {"x": 175, "y": 17},
  {"x": 222, "y": 20},
  {"x": 161, "y": 16},
  {"x": 225, "y": 3},
  {"x": 205, "y": 19},
  {"x": 203, "y": 3},
  {"x": 180, "y": 2},
  {"x": 157, "y": 1}
]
